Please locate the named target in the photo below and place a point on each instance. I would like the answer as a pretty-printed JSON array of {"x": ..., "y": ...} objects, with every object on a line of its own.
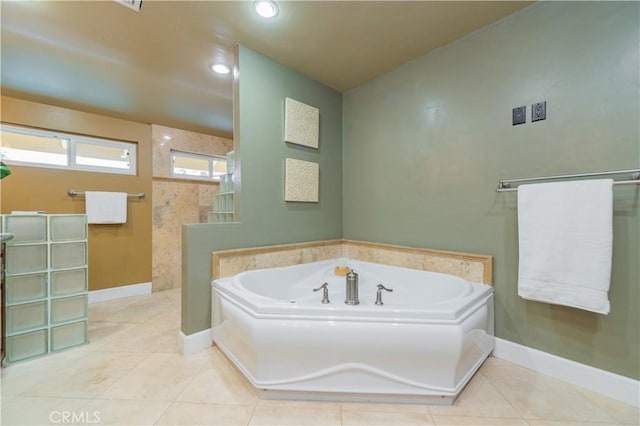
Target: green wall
[
  {"x": 425, "y": 145},
  {"x": 260, "y": 149}
]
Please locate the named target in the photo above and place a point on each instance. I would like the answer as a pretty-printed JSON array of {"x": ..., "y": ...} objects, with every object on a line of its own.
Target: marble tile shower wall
[
  {"x": 177, "y": 201},
  {"x": 166, "y": 138}
]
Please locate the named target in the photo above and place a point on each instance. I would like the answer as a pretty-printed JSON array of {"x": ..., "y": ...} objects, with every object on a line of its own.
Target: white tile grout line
[
  {"x": 515, "y": 409},
  {"x": 155, "y": 422},
  {"x": 255, "y": 407}
]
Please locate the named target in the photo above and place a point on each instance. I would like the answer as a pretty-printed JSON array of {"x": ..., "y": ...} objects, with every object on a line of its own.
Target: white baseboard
[
  {"x": 118, "y": 292},
  {"x": 615, "y": 386},
  {"x": 193, "y": 343}
]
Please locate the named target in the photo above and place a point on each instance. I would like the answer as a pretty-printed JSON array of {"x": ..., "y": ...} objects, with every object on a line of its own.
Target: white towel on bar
[
  {"x": 565, "y": 232},
  {"x": 106, "y": 207}
]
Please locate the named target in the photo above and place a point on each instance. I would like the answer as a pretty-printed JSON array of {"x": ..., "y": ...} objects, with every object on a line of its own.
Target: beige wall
[
  {"x": 118, "y": 254},
  {"x": 178, "y": 201},
  {"x": 145, "y": 249}
]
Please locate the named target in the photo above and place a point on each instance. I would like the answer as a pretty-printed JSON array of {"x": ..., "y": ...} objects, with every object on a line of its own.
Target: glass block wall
[
  {"x": 46, "y": 288},
  {"x": 223, "y": 204}
]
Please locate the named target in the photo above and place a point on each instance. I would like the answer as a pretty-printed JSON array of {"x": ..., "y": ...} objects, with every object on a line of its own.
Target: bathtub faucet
[
  {"x": 379, "y": 294},
  {"x": 325, "y": 292},
  {"x": 352, "y": 289}
]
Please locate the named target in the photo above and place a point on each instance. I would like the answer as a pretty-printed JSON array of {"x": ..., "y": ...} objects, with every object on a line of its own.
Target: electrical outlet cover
[
  {"x": 519, "y": 115},
  {"x": 539, "y": 111}
]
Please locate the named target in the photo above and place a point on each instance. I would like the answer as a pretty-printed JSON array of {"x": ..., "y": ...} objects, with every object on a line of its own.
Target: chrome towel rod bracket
[
  {"x": 74, "y": 193},
  {"x": 504, "y": 185}
]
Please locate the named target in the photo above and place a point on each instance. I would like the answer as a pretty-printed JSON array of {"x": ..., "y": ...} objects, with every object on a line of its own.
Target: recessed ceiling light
[
  {"x": 266, "y": 8},
  {"x": 220, "y": 69}
]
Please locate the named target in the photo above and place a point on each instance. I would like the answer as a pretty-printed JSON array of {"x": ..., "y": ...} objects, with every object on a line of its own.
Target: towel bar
[
  {"x": 504, "y": 185},
  {"x": 74, "y": 193}
]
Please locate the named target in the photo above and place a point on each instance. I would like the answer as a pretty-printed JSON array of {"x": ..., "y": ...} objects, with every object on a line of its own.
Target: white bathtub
[{"x": 422, "y": 346}]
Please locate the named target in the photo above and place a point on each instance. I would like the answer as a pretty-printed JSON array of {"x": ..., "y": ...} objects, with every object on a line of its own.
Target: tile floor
[{"x": 132, "y": 373}]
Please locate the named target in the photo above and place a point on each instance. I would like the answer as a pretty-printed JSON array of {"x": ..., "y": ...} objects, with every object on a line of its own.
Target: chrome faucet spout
[
  {"x": 379, "y": 294},
  {"x": 325, "y": 292},
  {"x": 352, "y": 289}
]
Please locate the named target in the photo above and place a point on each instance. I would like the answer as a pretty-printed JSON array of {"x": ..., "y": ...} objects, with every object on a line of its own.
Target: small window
[
  {"x": 40, "y": 148},
  {"x": 103, "y": 154},
  {"x": 192, "y": 165}
]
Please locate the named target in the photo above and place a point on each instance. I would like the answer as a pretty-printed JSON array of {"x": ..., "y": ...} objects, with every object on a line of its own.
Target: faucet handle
[
  {"x": 325, "y": 293},
  {"x": 379, "y": 294},
  {"x": 381, "y": 287},
  {"x": 325, "y": 285}
]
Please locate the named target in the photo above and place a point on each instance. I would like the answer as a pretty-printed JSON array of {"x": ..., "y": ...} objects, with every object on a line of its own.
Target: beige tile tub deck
[{"x": 472, "y": 267}]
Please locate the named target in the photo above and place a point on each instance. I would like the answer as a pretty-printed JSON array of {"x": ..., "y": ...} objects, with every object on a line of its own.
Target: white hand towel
[
  {"x": 565, "y": 233},
  {"x": 106, "y": 207}
]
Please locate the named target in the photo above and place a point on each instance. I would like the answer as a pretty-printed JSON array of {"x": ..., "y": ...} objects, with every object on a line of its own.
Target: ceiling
[{"x": 152, "y": 66}]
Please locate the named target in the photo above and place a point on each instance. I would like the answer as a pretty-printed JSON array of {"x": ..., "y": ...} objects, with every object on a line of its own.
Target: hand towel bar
[
  {"x": 504, "y": 185},
  {"x": 74, "y": 193}
]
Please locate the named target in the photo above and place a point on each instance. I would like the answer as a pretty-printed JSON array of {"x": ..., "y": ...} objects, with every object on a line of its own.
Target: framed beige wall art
[
  {"x": 301, "y": 123},
  {"x": 301, "y": 181}
]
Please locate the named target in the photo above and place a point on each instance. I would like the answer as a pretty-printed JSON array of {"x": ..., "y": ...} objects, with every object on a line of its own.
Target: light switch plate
[{"x": 519, "y": 115}]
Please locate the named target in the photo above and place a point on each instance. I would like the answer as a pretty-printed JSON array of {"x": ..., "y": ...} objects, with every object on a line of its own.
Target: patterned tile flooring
[{"x": 132, "y": 373}]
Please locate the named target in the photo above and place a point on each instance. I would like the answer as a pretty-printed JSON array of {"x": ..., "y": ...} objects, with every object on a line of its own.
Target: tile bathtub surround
[
  {"x": 121, "y": 377},
  {"x": 472, "y": 267},
  {"x": 228, "y": 263}
]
